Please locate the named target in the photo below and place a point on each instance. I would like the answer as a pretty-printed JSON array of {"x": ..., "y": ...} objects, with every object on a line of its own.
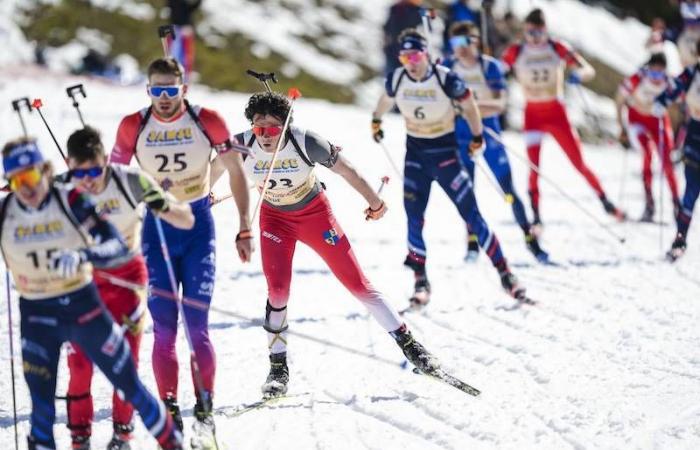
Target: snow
[{"x": 608, "y": 360}]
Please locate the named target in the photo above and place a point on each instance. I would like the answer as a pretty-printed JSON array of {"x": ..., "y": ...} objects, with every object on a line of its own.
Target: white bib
[
  {"x": 642, "y": 98},
  {"x": 292, "y": 179},
  {"x": 475, "y": 79},
  {"x": 176, "y": 154},
  {"x": 540, "y": 71},
  {"x": 427, "y": 110},
  {"x": 29, "y": 238}
]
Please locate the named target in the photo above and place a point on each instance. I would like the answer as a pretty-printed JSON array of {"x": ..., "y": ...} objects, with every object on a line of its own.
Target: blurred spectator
[
  {"x": 655, "y": 43},
  {"x": 98, "y": 64},
  {"x": 403, "y": 14},
  {"x": 508, "y": 30},
  {"x": 182, "y": 47}
]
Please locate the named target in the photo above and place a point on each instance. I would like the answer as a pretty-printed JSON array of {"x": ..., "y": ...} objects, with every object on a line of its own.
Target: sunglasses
[
  {"x": 656, "y": 75},
  {"x": 411, "y": 57},
  {"x": 28, "y": 177},
  {"x": 267, "y": 131},
  {"x": 170, "y": 91},
  {"x": 536, "y": 32},
  {"x": 92, "y": 172},
  {"x": 461, "y": 41}
]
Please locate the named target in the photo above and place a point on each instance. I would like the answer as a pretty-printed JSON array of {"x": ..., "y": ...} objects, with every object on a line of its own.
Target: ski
[
  {"x": 265, "y": 401},
  {"x": 453, "y": 381}
]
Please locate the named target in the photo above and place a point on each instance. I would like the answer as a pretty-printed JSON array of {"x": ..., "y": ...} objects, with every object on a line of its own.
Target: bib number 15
[{"x": 176, "y": 164}]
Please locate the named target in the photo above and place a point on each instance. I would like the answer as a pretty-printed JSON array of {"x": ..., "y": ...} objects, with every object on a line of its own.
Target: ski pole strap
[{"x": 244, "y": 234}]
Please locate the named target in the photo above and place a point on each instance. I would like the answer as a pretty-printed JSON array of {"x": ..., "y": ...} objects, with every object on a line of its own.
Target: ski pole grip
[
  {"x": 71, "y": 91},
  {"x": 165, "y": 30},
  {"x": 261, "y": 76},
  {"x": 17, "y": 104}
]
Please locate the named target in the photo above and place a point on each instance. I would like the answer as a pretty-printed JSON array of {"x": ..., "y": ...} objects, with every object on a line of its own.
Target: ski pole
[
  {"x": 17, "y": 106},
  {"x": 391, "y": 160},
  {"x": 12, "y": 356},
  {"x": 508, "y": 198},
  {"x": 37, "y": 104},
  {"x": 263, "y": 77},
  {"x": 620, "y": 239},
  {"x": 293, "y": 94},
  {"x": 384, "y": 182},
  {"x": 197, "y": 373},
  {"x": 163, "y": 32},
  {"x": 72, "y": 92},
  {"x": 587, "y": 110},
  {"x": 426, "y": 15}
]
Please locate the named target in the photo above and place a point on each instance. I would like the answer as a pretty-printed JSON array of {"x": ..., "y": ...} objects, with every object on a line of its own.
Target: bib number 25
[{"x": 176, "y": 164}]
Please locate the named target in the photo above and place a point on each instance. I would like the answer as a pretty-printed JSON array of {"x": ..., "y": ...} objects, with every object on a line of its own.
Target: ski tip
[
  {"x": 37, "y": 103},
  {"x": 294, "y": 93}
]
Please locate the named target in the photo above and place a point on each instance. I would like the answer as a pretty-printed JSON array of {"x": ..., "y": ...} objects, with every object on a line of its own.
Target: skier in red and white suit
[
  {"x": 295, "y": 209},
  {"x": 538, "y": 64},
  {"x": 643, "y": 130}
]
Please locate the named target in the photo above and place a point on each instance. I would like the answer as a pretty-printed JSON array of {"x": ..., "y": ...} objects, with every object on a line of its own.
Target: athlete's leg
[
  {"x": 163, "y": 312},
  {"x": 79, "y": 399},
  {"x": 416, "y": 191},
  {"x": 665, "y": 157},
  {"x": 690, "y": 196},
  {"x": 103, "y": 342},
  {"x": 323, "y": 234},
  {"x": 277, "y": 243},
  {"x": 41, "y": 346},
  {"x": 533, "y": 141},
  {"x": 197, "y": 274}
]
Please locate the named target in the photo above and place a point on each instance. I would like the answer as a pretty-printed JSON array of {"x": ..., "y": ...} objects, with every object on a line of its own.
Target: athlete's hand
[
  {"x": 66, "y": 262},
  {"x": 658, "y": 109},
  {"x": 377, "y": 132},
  {"x": 624, "y": 138},
  {"x": 244, "y": 245},
  {"x": 156, "y": 201},
  {"x": 573, "y": 78},
  {"x": 476, "y": 146},
  {"x": 377, "y": 212}
]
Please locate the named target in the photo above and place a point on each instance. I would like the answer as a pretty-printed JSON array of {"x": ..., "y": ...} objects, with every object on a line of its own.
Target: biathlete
[
  {"x": 484, "y": 75},
  {"x": 686, "y": 84},
  {"x": 538, "y": 63},
  {"x": 296, "y": 209},
  {"x": 172, "y": 141},
  {"x": 51, "y": 235},
  {"x": 429, "y": 96},
  {"x": 119, "y": 193},
  {"x": 644, "y": 131}
]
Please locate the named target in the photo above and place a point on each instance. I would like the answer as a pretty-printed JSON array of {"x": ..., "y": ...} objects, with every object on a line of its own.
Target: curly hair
[
  {"x": 268, "y": 103},
  {"x": 85, "y": 145}
]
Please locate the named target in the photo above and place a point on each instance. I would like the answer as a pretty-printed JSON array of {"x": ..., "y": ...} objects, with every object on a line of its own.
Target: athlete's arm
[
  {"x": 145, "y": 189},
  {"x": 680, "y": 85},
  {"x": 233, "y": 163},
  {"x": 384, "y": 104},
  {"x": 125, "y": 144},
  {"x": 583, "y": 70},
  {"x": 496, "y": 81},
  {"x": 217, "y": 169},
  {"x": 108, "y": 243}
]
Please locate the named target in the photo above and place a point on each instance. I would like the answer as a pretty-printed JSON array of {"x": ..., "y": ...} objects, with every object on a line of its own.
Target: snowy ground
[{"x": 607, "y": 361}]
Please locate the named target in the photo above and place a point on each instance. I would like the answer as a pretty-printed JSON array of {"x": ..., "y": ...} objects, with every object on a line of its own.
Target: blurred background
[{"x": 336, "y": 50}]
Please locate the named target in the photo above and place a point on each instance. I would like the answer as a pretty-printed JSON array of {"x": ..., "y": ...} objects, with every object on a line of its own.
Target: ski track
[{"x": 606, "y": 360}]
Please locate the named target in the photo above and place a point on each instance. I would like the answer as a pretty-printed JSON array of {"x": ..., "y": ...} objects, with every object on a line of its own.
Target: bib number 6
[
  {"x": 178, "y": 163},
  {"x": 418, "y": 113}
]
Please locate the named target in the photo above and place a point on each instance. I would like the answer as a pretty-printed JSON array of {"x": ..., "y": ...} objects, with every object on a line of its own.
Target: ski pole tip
[
  {"x": 37, "y": 103},
  {"x": 294, "y": 93}
]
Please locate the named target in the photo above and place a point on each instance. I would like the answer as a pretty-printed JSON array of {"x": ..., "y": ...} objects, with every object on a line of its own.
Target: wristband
[{"x": 244, "y": 234}]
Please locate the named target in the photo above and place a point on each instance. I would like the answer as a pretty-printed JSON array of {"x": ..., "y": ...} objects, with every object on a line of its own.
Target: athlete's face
[
  {"x": 465, "y": 47},
  {"x": 657, "y": 73},
  {"x": 415, "y": 62},
  {"x": 89, "y": 175},
  {"x": 166, "y": 92},
  {"x": 30, "y": 184},
  {"x": 535, "y": 34},
  {"x": 268, "y": 131}
]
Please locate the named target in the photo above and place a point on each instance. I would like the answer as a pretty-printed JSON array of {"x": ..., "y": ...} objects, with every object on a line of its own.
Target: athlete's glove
[
  {"x": 658, "y": 109},
  {"x": 573, "y": 78},
  {"x": 375, "y": 214},
  {"x": 156, "y": 201},
  {"x": 377, "y": 132},
  {"x": 66, "y": 262},
  {"x": 476, "y": 146},
  {"x": 624, "y": 138}
]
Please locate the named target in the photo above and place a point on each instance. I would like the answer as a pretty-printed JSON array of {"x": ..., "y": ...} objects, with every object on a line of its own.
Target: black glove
[
  {"x": 156, "y": 201},
  {"x": 377, "y": 132},
  {"x": 476, "y": 146}
]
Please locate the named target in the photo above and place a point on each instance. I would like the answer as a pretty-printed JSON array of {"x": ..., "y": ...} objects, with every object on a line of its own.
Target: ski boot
[
  {"x": 472, "y": 249},
  {"x": 536, "y": 228},
  {"x": 414, "y": 351},
  {"x": 79, "y": 442},
  {"x": 677, "y": 248},
  {"x": 276, "y": 383},
  {"x": 534, "y": 246},
  {"x": 174, "y": 411},
  {"x": 203, "y": 428},
  {"x": 511, "y": 285},
  {"x": 421, "y": 293},
  {"x": 121, "y": 437},
  {"x": 611, "y": 209},
  {"x": 648, "y": 214}
]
